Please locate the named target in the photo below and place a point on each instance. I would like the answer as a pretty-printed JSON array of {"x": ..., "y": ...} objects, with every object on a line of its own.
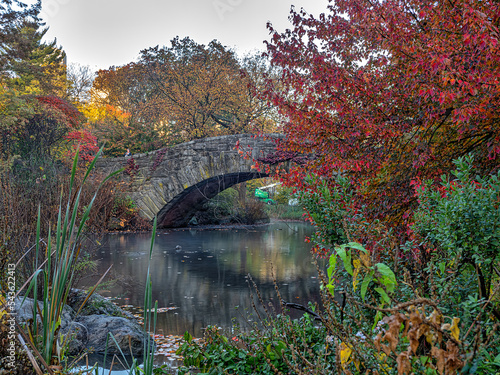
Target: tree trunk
[{"x": 242, "y": 193}]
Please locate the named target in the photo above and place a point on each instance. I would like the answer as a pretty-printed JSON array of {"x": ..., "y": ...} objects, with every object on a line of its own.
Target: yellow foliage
[
  {"x": 453, "y": 328},
  {"x": 357, "y": 266},
  {"x": 345, "y": 355},
  {"x": 3, "y": 307}
]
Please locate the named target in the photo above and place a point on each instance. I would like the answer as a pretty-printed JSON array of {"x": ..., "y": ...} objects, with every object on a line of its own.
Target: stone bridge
[{"x": 173, "y": 183}]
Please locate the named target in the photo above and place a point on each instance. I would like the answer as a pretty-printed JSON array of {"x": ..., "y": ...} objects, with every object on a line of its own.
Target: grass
[{"x": 285, "y": 212}]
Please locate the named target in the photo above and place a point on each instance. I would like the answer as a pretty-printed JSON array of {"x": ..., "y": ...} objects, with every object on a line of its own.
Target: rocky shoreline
[{"x": 88, "y": 331}]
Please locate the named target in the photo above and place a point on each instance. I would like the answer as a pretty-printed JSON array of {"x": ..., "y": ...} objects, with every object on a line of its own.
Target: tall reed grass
[{"x": 56, "y": 273}]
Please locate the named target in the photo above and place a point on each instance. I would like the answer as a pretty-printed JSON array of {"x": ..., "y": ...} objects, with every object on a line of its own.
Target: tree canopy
[
  {"x": 35, "y": 114},
  {"x": 181, "y": 92},
  {"x": 389, "y": 92}
]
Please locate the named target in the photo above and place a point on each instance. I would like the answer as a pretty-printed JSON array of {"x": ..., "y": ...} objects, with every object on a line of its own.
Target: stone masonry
[{"x": 173, "y": 183}]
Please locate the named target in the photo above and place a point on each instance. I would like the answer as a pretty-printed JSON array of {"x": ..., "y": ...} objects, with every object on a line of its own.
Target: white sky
[{"x": 102, "y": 33}]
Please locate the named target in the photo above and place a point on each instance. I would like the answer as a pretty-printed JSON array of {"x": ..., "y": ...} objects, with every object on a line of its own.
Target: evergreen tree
[{"x": 27, "y": 64}]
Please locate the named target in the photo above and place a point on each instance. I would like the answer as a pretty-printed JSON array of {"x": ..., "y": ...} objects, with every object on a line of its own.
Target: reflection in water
[{"x": 204, "y": 272}]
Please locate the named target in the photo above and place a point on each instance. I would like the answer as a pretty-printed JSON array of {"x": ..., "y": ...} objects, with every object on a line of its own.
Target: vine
[
  {"x": 132, "y": 168},
  {"x": 159, "y": 158}
]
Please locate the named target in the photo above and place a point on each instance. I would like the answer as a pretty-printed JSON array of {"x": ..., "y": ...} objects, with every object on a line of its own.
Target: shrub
[
  {"x": 460, "y": 221},
  {"x": 269, "y": 351}
]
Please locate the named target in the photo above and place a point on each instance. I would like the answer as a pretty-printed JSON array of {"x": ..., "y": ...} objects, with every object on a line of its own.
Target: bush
[
  {"x": 260, "y": 352},
  {"x": 460, "y": 221},
  {"x": 253, "y": 212},
  {"x": 225, "y": 208},
  {"x": 285, "y": 212},
  {"x": 283, "y": 195}
]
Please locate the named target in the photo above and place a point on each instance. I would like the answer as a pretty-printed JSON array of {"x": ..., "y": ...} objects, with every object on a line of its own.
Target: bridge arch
[{"x": 173, "y": 183}]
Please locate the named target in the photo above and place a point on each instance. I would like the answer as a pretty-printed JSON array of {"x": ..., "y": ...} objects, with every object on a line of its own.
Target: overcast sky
[{"x": 102, "y": 33}]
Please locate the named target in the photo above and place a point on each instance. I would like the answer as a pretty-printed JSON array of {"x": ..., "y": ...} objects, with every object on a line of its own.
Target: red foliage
[
  {"x": 281, "y": 156},
  {"x": 70, "y": 115},
  {"x": 388, "y": 92},
  {"x": 132, "y": 168},
  {"x": 86, "y": 142}
]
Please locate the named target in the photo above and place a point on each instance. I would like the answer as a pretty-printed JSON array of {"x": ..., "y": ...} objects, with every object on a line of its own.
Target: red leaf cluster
[
  {"x": 70, "y": 115},
  {"x": 388, "y": 92},
  {"x": 85, "y": 141}
]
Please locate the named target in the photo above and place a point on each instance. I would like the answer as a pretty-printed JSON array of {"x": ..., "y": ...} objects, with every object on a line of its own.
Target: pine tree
[{"x": 27, "y": 64}]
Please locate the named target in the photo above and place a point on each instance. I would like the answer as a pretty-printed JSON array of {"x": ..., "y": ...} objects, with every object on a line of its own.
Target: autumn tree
[
  {"x": 177, "y": 93},
  {"x": 33, "y": 85},
  {"x": 389, "y": 92},
  {"x": 80, "y": 79},
  {"x": 114, "y": 110},
  {"x": 197, "y": 90}
]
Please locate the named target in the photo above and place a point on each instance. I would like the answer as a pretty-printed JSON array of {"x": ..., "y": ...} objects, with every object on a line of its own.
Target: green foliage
[
  {"x": 260, "y": 352},
  {"x": 27, "y": 64},
  {"x": 327, "y": 208},
  {"x": 285, "y": 212},
  {"x": 377, "y": 316},
  {"x": 283, "y": 195},
  {"x": 355, "y": 266},
  {"x": 224, "y": 203},
  {"x": 455, "y": 294},
  {"x": 461, "y": 220}
]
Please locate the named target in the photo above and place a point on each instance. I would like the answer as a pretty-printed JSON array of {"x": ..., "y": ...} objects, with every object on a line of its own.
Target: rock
[
  {"x": 129, "y": 335},
  {"x": 76, "y": 336},
  {"x": 77, "y": 333},
  {"x": 95, "y": 305},
  {"x": 24, "y": 312},
  {"x": 88, "y": 330}
]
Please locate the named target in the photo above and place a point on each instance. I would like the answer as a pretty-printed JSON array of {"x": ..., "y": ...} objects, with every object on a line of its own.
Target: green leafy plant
[
  {"x": 269, "y": 351},
  {"x": 460, "y": 221}
]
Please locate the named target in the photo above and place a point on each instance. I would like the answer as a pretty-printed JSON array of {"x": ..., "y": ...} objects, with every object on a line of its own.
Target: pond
[{"x": 199, "y": 277}]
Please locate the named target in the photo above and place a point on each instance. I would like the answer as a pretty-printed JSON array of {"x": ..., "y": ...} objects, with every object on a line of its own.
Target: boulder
[
  {"x": 71, "y": 330},
  {"x": 96, "y": 305},
  {"x": 128, "y": 335},
  {"x": 88, "y": 331},
  {"x": 24, "y": 312}
]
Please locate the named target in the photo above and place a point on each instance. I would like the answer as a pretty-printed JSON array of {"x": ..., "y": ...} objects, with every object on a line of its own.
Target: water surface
[{"x": 202, "y": 275}]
